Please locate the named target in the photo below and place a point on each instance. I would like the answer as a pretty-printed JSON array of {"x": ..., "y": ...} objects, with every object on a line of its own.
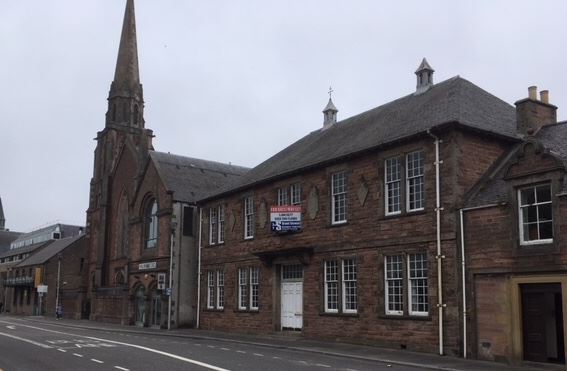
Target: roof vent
[{"x": 424, "y": 75}]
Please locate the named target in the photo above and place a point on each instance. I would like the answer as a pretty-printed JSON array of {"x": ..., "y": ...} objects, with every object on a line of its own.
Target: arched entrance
[{"x": 140, "y": 305}]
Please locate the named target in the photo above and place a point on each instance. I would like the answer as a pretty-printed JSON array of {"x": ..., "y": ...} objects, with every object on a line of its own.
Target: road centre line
[
  {"x": 96, "y": 360},
  {"x": 62, "y": 350},
  {"x": 121, "y": 368},
  {"x": 78, "y": 355},
  {"x": 170, "y": 355}
]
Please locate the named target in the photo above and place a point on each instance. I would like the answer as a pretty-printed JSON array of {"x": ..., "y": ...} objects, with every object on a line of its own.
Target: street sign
[
  {"x": 161, "y": 281},
  {"x": 148, "y": 265},
  {"x": 168, "y": 291},
  {"x": 42, "y": 289}
]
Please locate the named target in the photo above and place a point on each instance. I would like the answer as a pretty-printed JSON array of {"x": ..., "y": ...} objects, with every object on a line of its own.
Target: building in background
[
  {"x": 6, "y": 238},
  {"x": 17, "y": 285}
]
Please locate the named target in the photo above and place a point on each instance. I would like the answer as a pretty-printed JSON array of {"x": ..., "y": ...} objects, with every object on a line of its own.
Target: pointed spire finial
[
  {"x": 2, "y": 219},
  {"x": 127, "y": 75}
]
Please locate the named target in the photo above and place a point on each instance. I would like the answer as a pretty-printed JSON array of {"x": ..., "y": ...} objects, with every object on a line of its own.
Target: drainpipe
[
  {"x": 463, "y": 273},
  {"x": 439, "y": 257},
  {"x": 58, "y": 285},
  {"x": 173, "y": 226},
  {"x": 199, "y": 268}
]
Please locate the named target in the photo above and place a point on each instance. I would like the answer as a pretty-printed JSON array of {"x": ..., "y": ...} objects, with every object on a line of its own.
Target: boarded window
[{"x": 187, "y": 221}]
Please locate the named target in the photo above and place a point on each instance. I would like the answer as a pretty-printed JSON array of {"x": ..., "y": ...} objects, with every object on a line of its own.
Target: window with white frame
[
  {"x": 393, "y": 182},
  {"x": 283, "y": 198},
  {"x": 216, "y": 225},
  {"x": 249, "y": 217},
  {"x": 215, "y": 289},
  {"x": 289, "y": 195},
  {"x": 415, "y": 181},
  {"x": 295, "y": 192},
  {"x": 341, "y": 286},
  {"x": 243, "y": 288},
  {"x": 331, "y": 286},
  {"x": 536, "y": 214},
  {"x": 220, "y": 289},
  {"x": 339, "y": 198},
  {"x": 249, "y": 288},
  {"x": 211, "y": 290},
  {"x": 350, "y": 302},
  {"x": 396, "y": 279},
  {"x": 254, "y": 288},
  {"x": 418, "y": 285},
  {"x": 213, "y": 226}
]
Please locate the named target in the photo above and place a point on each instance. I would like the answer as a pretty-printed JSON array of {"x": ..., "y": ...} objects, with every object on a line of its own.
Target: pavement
[{"x": 295, "y": 342}]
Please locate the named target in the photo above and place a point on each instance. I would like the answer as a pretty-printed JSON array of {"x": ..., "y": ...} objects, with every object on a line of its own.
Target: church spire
[
  {"x": 2, "y": 219},
  {"x": 330, "y": 112},
  {"x": 125, "y": 101}
]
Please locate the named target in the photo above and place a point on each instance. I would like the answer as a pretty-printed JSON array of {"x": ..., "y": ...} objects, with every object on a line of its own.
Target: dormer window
[{"x": 535, "y": 214}]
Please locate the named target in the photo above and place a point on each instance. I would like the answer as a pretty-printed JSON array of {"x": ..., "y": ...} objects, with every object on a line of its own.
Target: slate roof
[
  {"x": 49, "y": 251},
  {"x": 191, "y": 179},
  {"x": 493, "y": 189},
  {"x": 6, "y": 238},
  {"x": 26, "y": 249},
  {"x": 65, "y": 229},
  {"x": 452, "y": 101}
]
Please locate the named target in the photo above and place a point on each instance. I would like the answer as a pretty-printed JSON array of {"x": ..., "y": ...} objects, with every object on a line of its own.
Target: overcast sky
[{"x": 237, "y": 81}]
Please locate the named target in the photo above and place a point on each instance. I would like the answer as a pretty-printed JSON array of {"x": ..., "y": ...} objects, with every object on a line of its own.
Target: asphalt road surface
[{"x": 29, "y": 345}]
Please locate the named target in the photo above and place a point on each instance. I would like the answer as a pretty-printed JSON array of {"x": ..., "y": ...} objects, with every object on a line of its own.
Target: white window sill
[{"x": 536, "y": 242}]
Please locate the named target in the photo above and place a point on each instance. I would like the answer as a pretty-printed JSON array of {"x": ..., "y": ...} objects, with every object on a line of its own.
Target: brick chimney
[{"x": 532, "y": 114}]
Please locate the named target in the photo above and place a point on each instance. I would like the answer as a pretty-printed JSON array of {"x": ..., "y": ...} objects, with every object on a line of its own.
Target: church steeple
[
  {"x": 330, "y": 112},
  {"x": 424, "y": 75},
  {"x": 2, "y": 219},
  {"x": 126, "y": 100}
]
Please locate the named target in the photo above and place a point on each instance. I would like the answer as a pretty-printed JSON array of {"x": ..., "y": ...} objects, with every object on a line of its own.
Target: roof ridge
[{"x": 195, "y": 159}]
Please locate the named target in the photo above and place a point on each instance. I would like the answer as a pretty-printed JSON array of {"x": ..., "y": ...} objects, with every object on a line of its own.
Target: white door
[{"x": 292, "y": 305}]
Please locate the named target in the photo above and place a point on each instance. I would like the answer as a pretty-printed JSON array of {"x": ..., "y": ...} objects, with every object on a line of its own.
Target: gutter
[{"x": 463, "y": 265}]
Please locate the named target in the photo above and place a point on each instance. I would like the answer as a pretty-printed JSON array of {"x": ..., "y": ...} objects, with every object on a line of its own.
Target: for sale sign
[{"x": 285, "y": 218}]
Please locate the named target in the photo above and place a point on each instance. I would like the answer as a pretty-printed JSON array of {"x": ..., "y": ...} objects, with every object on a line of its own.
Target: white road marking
[
  {"x": 78, "y": 355},
  {"x": 174, "y": 356},
  {"x": 11, "y": 327},
  {"x": 225, "y": 349},
  {"x": 62, "y": 350},
  {"x": 26, "y": 340},
  {"x": 211, "y": 346},
  {"x": 121, "y": 368},
  {"x": 241, "y": 351},
  {"x": 96, "y": 360},
  {"x": 258, "y": 354},
  {"x": 322, "y": 365},
  {"x": 274, "y": 357}
]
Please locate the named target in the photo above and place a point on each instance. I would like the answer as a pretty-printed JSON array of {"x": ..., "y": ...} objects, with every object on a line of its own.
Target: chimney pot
[
  {"x": 544, "y": 95},
  {"x": 532, "y": 92}
]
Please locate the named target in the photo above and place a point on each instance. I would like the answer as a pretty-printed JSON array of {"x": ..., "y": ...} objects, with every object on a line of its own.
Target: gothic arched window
[{"x": 151, "y": 224}]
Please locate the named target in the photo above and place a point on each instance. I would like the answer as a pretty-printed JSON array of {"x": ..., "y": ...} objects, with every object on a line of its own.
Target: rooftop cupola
[
  {"x": 330, "y": 112},
  {"x": 424, "y": 75}
]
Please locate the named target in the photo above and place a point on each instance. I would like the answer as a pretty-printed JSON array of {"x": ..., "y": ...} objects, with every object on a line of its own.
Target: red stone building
[
  {"x": 515, "y": 243},
  {"x": 377, "y": 257}
]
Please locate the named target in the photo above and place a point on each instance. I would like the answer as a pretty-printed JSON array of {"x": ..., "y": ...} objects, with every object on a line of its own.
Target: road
[{"x": 31, "y": 345}]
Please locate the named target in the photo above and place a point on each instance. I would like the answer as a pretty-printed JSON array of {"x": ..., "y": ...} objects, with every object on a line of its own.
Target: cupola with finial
[
  {"x": 330, "y": 112},
  {"x": 424, "y": 75}
]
